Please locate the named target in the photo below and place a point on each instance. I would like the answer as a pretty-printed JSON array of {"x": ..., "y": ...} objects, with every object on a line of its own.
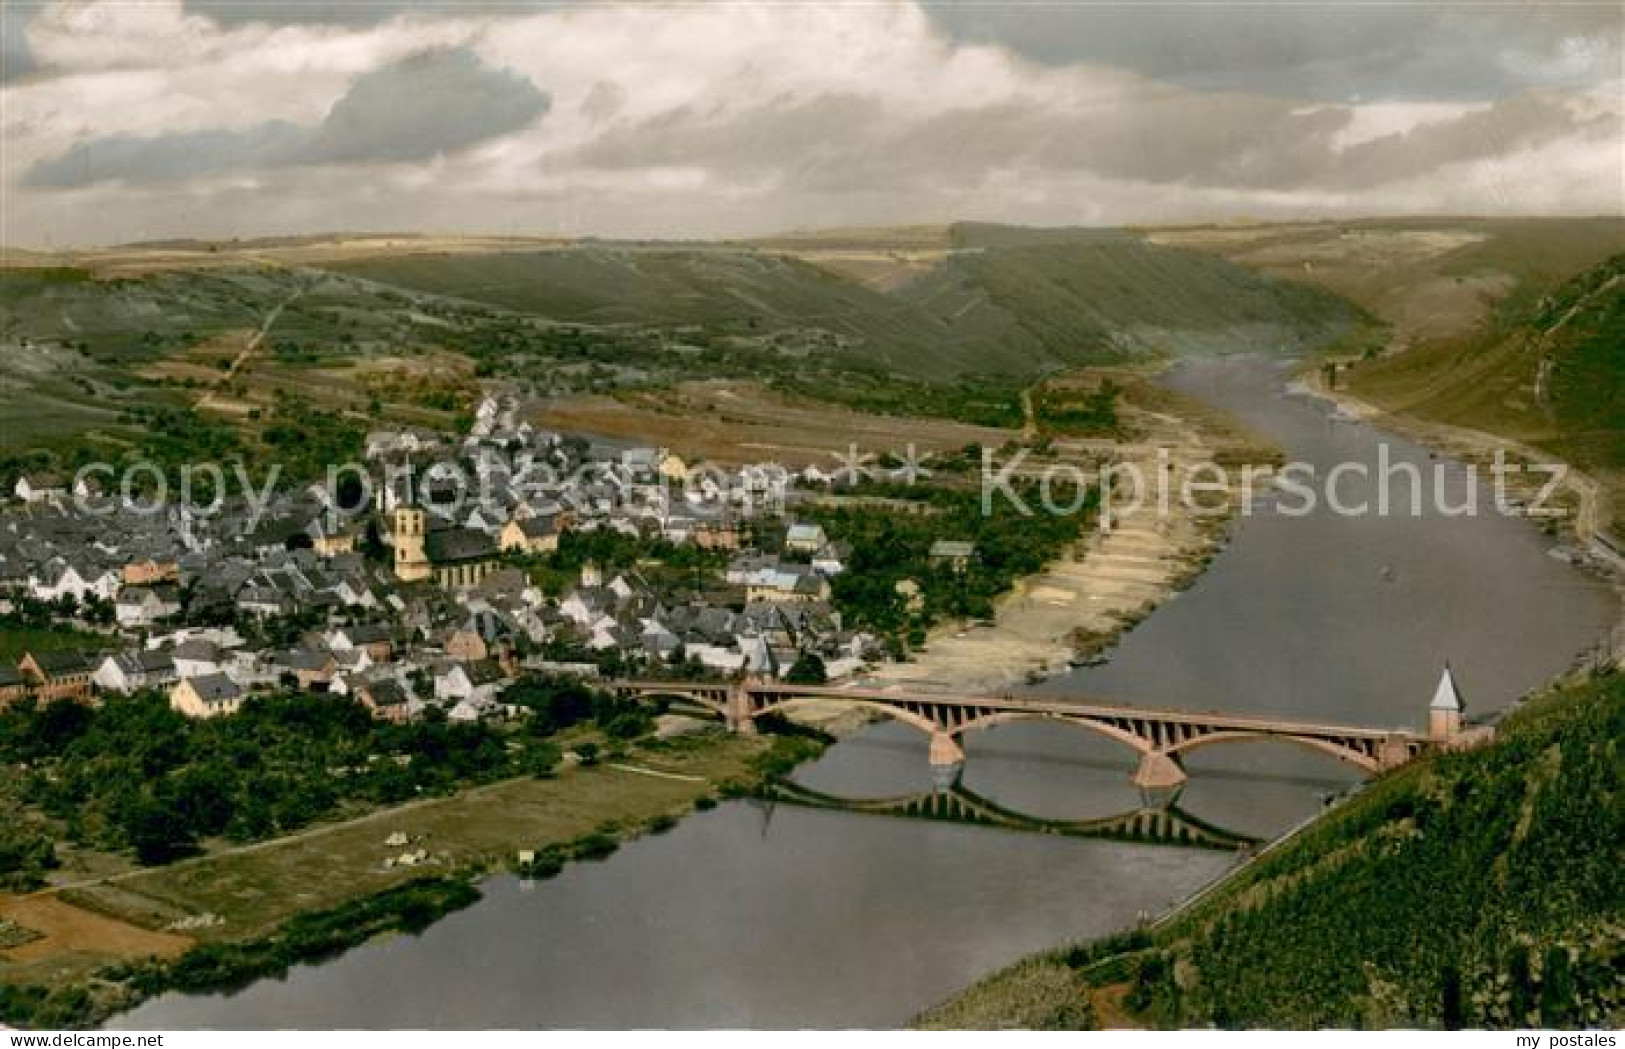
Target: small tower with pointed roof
[{"x": 1444, "y": 713}]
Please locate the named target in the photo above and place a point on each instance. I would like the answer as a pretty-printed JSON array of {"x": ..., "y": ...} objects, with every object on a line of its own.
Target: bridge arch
[
  {"x": 698, "y": 698},
  {"x": 1139, "y": 744},
  {"x": 1342, "y": 753},
  {"x": 896, "y": 713}
]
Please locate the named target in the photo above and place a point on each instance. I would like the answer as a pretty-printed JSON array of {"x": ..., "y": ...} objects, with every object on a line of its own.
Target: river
[{"x": 774, "y": 915}]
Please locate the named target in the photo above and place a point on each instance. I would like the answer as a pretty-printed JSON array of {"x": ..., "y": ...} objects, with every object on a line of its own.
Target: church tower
[
  {"x": 1444, "y": 713},
  {"x": 411, "y": 557}
]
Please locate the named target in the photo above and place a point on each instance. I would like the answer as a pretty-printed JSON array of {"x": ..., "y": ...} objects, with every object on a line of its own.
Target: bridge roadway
[{"x": 1160, "y": 737}]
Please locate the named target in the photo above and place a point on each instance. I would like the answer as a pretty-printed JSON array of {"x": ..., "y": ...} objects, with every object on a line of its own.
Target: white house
[
  {"x": 485, "y": 418},
  {"x": 196, "y": 658},
  {"x": 38, "y": 488},
  {"x": 385, "y": 443},
  {"x": 64, "y": 580},
  {"x": 806, "y": 538},
  {"x": 757, "y": 654},
  {"x": 129, "y": 672},
  {"x": 716, "y": 657},
  {"x": 479, "y": 681},
  {"x": 139, "y": 606},
  {"x": 828, "y": 561},
  {"x": 353, "y": 661},
  {"x": 468, "y": 711},
  {"x": 355, "y": 593}
]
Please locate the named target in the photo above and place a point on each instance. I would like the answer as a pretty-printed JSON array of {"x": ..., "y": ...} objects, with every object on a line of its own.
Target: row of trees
[
  {"x": 889, "y": 548},
  {"x": 43, "y": 626},
  {"x": 134, "y": 775},
  {"x": 1083, "y": 413}
]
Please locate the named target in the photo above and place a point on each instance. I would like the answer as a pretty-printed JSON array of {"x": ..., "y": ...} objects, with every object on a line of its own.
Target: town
[{"x": 470, "y": 561}]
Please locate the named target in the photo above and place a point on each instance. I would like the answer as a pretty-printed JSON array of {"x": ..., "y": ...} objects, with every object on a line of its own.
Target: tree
[
  {"x": 1521, "y": 986},
  {"x": 1557, "y": 995},
  {"x": 372, "y": 544},
  {"x": 808, "y": 669},
  {"x": 157, "y": 832},
  {"x": 1450, "y": 999},
  {"x": 25, "y": 850}
]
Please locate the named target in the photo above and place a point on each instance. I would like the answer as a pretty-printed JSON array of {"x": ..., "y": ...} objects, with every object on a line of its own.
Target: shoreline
[
  {"x": 1582, "y": 529},
  {"x": 592, "y": 817},
  {"x": 1111, "y": 580}
]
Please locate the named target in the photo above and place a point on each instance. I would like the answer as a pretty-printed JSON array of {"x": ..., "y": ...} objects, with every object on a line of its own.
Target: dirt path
[
  {"x": 1111, "y": 1014},
  {"x": 1029, "y": 416},
  {"x": 248, "y": 350}
]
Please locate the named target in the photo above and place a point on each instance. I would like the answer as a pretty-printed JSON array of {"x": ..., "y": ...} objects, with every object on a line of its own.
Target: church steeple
[{"x": 411, "y": 557}]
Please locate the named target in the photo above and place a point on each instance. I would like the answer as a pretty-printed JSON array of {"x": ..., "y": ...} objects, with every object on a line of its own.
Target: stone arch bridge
[{"x": 1160, "y": 737}]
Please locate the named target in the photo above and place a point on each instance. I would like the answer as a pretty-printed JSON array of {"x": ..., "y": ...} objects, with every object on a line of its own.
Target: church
[{"x": 450, "y": 556}]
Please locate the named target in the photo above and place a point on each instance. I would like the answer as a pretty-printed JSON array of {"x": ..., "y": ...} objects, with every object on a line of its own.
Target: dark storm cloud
[
  {"x": 1322, "y": 51},
  {"x": 429, "y": 104},
  {"x": 432, "y": 103}
]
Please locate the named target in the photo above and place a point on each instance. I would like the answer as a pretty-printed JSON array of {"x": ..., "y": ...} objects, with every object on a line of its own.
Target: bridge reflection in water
[{"x": 1162, "y": 823}]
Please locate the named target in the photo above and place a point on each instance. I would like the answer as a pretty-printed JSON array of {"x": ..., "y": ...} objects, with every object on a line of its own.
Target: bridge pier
[
  {"x": 1393, "y": 752},
  {"x": 1159, "y": 771},
  {"x": 739, "y": 719},
  {"x": 947, "y": 760}
]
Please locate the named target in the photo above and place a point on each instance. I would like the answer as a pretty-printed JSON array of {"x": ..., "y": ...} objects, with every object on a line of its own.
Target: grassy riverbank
[
  {"x": 1540, "y": 378},
  {"x": 232, "y": 916},
  {"x": 1478, "y": 889}
]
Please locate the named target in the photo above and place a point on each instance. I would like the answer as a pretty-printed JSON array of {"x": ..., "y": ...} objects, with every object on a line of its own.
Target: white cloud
[{"x": 726, "y": 119}]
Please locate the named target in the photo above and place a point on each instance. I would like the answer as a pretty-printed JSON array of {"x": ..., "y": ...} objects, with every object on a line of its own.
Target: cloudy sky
[{"x": 131, "y": 119}]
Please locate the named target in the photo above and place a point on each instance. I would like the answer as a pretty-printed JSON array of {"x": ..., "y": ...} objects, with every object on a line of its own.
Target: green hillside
[
  {"x": 629, "y": 285},
  {"x": 1581, "y": 331},
  {"x": 1006, "y": 301},
  {"x": 83, "y": 350},
  {"x": 1477, "y": 889},
  {"x": 1550, "y": 372},
  {"x": 1052, "y": 298},
  {"x": 73, "y": 346},
  {"x": 722, "y": 292},
  {"x": 139, "y": 318}
]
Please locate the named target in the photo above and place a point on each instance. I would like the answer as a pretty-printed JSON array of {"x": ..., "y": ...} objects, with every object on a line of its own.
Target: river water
[{"x": 775, "y": 915}]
